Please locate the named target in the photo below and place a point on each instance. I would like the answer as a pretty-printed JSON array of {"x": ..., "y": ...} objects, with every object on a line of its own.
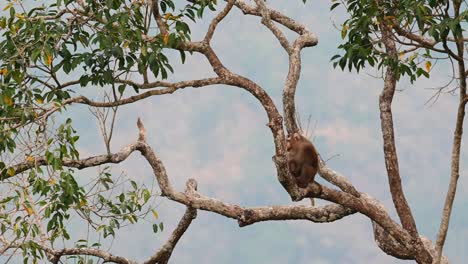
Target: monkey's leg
[
  {"x": 307, "y": 177},
  {"x": 308, "y": 174}
]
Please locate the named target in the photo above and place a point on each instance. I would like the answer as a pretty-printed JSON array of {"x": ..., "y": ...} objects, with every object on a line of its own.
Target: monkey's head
[{"x": 293, "y": 139}]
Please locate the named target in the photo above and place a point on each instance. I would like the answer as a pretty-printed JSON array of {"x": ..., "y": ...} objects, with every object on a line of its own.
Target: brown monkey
[{"x": 302, "y": 159}]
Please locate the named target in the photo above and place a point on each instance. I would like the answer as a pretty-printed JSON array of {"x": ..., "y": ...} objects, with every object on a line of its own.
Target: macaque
[{"x": 302, "y": 159}]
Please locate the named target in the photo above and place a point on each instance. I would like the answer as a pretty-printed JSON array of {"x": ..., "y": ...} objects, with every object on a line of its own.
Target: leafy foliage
[
  {"x": 100, "y": 41},
  {"x": 361, "y": 33},
  {"x": 43, "y": 46}
]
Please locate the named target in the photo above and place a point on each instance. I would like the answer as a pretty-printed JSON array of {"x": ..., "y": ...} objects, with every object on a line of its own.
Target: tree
[{"x": 110, "y": 43}]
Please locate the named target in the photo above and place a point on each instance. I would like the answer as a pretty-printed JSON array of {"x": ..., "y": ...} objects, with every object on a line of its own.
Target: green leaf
[
  {"x": 134, "y": 185},
  {"x": 146, "y": 195},
  {"x": 344, "y": 31},
  {"x": 333, "y": 6},
  {"x": 335, "y": 57},
  {"x": 182, "y": 56}
]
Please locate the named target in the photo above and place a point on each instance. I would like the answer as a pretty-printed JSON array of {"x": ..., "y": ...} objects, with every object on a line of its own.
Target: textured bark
[
  {"x": 391, "y": 159},
  {"x": 157, "y": 16},
  {"x": 266, "y": 20},
  {"x": 454, "y": 175},
  {"x": 79, "y": 164},
  {"x": 337, "y": 179},
  {"x": 217, "y": 19},
  {"x": 389, "y": 244},
  {"x": 392, "y": 247},
  {"x": 274, "y": 15},
  {"x": 325, "y": 214},
  {"x": 307, "y": 39}
]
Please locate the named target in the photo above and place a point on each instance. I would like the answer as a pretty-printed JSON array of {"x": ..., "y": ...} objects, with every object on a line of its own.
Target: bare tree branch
[
  {"x": 157, "y": 16},
  {"x": 425, "y": 42},
  {"x": 457, "y": 139},
  {"x": 324, "y": 214},
  {"x": 169, "y": 90},
  {"x": 79, "y": 164},
  {"x": 390, "y": 245},
  {"x": 266, "y": 20},
  {"x": 337, "y": 179},
  {"x": 391, "y": 158},
  {"x": 214, "y": 23}
]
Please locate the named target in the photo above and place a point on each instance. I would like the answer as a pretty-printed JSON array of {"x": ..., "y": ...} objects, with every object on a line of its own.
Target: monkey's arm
[{"x": 294, "y": 168}]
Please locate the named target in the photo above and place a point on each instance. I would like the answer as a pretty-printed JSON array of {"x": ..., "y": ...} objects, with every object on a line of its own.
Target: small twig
[
  {"x": 266, "y": 20},
  {"x": 214, "y": 23}
]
